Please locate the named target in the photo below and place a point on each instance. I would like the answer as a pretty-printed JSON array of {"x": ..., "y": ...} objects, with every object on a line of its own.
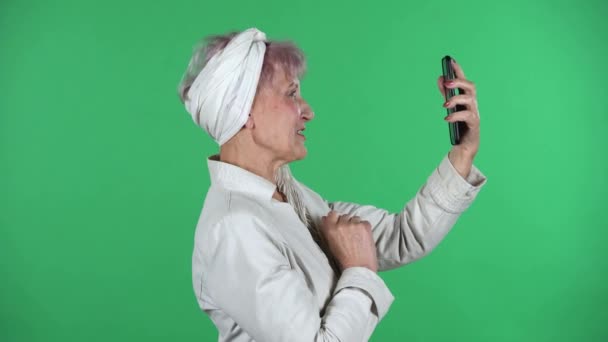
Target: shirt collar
[{"x": 235, "y": 178}]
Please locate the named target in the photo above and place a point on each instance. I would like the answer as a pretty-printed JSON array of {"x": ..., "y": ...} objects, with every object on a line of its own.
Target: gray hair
[{"x": 282, "y": 54}]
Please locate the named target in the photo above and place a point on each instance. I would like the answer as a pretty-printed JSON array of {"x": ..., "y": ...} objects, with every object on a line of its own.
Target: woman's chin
[{"x": 300, "y": 152}]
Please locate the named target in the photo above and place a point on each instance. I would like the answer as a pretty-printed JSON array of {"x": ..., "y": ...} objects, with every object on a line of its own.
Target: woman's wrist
[{"x": 461, "y": 160}]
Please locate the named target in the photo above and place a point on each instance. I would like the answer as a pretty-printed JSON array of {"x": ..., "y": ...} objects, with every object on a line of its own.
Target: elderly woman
[{"x": 273, "y": 260}]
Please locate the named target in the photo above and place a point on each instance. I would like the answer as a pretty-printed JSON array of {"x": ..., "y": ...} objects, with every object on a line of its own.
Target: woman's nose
[
  {"x": 308, "y": 115},
  {"x": 307, "y": 112}
]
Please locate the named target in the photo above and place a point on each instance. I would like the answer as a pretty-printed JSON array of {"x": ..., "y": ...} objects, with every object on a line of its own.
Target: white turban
[{"x": 221, "y": 96}]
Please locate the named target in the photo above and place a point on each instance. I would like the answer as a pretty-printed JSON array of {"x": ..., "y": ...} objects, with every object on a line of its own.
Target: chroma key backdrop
[{"x": 103, "y": 173}]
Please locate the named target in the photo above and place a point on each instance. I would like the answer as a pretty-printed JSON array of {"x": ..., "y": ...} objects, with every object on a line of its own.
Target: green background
[{"x": 103, "y": 172}]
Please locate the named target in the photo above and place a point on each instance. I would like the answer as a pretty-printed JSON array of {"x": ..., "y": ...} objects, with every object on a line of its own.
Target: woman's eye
[{"x": 292, "y": 94}]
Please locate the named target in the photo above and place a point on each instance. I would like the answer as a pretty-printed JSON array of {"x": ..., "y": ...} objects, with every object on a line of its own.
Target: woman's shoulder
[{"x": 232, "y": 211}]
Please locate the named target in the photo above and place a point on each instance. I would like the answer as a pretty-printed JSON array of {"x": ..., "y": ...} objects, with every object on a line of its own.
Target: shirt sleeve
[
  {"x": 424, "y": 221},
  {"x": 250, "y": 278}
]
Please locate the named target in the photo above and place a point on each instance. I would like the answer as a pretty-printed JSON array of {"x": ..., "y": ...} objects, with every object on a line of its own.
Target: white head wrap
[{"x": 221, "y": 96}]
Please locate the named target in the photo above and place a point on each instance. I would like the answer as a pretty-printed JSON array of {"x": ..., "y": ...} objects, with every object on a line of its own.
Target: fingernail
[
  {"x": 446, "y": 104},
  {"x": 449, "y": 83}
]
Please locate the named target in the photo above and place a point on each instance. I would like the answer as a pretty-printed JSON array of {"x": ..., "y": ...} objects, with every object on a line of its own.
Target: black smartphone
[{"x": 458, "y": 128}]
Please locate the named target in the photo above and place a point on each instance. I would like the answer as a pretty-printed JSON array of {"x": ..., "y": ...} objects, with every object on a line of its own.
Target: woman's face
[{"x": 278, "y": 113}]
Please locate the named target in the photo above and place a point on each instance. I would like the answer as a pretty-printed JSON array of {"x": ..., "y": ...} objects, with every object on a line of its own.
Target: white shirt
[{"x": 260, "y": 276}]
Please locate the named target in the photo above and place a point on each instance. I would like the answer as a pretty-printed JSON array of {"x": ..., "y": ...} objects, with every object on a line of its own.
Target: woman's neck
[{"x": 251, "y": 160}]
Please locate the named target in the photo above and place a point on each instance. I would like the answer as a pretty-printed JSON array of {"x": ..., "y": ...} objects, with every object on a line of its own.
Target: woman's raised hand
[{"x": 470, "y": 115}]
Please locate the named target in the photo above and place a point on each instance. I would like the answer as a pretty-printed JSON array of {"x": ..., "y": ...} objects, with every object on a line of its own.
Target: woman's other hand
[{"x": 350, "y": 240}]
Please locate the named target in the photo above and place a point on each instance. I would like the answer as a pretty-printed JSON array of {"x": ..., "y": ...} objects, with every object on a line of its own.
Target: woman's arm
[
  {"x": 248, "y": 276},
  {"x": 424, "y": 221}
]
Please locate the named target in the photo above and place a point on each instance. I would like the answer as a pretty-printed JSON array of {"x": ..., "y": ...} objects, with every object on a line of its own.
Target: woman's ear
[{"x": 249, "y": 123}]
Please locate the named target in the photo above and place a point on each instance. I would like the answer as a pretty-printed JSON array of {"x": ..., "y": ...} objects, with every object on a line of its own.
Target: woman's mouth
[{"x": 300, "y": 133}]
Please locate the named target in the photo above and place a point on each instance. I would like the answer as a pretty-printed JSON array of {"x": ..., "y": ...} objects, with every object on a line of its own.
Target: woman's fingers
[
  {"x": 469, "y": 101},
  {"x": 458, "y": 70},
  {"x": 332, "y": 217},
  {"x": 466, "y": 85},
  {"x": 471, "y": 119},
  {"x": 440, "y": 86}
]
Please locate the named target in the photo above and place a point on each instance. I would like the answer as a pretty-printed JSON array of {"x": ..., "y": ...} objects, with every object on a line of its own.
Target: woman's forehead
[{"x": 285, "y": 80}]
